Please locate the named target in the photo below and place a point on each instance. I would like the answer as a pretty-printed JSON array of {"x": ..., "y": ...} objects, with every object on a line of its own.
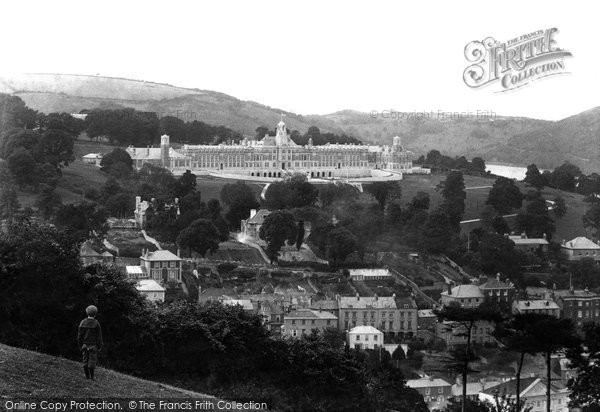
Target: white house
[
  {"x": 545, "y": 307},
  {"x": 364, "y": 337},
  {"x": 533, "y": 394},
  {"x": 369, "y": 274},
  {"x": 92, "y": 158},
  {"x": 581, "y": 248},
  {"x": 151, "y": 290}
]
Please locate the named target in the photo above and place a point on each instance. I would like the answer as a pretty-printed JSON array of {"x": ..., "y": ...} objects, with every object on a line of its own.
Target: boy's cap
[{"x": 91, "y": 310}]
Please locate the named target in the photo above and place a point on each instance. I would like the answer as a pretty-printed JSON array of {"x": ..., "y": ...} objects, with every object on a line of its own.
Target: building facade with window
[
  {"x": 581, "y": 248},
  {"x": 302, "y": 321},
  {"x": 364, "y": 337},
  {"x": 580, "y": 306},
  {"x": 388, "y": 314},
  {"x": 275, "y": 156},
  {"x": 435, "y": 391},
  {"x": 162, "y": 265}
]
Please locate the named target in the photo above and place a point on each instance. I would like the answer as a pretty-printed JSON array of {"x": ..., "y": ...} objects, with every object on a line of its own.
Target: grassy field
[{"x": 25, "y": 374}]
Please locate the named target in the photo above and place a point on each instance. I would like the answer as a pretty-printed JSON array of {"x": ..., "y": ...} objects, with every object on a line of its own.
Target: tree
[
  {"x": 120, "y": 205},
  {"x": 341, "y": 242},
  {"x": 534, "y": 177},
  {"x": 585, "y": 386},
  {"x": 56, "y": 147},
  {"x": 117, "y": 163},
  {"x": 436, "y": 233},
  {"x": 505, "y": 196},
  {"x": 497, "y": 254},
  {"x": 48, "y": 200},
  {"x": 84, "y": 219},
  {"x": 453, "y": 191},
  {"x": 293, "y": 192},
  {"x": 277, "y": 228},
  {"x": 300, "y": 236},
  {"x": 23, "y": 168},
  {"x": 185, "y": 184},
  {"x": 553, "y": 335},
  {"x": 383, "y": 191},
  {"x": 585, "y": 273},
  {"x": 478, "y": 165},
  {"x": 560, "y": 207},
  {"x": 332, "y": 192},
  {"x": 462, "y": 321},
  {"x": 201, "y": 236},
  {"x": 516, "y": 336},
  {"x": 536, "y": 221},
  {"x": 240, "y": 200},
  {"x": 9, "y": 203},
  {"x": 591, "y": 218},
  {"x": 565, "y": 176}
]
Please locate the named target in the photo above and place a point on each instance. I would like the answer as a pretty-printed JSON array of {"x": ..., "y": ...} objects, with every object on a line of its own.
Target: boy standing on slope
[{"x": 89, "y": 338}]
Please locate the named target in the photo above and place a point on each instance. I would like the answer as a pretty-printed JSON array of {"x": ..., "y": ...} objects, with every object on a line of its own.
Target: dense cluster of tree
[
  {"x": 437, "y": 160},
  {"x": 215, "y": 348},
  {"x": 567, "y": 177},
  {"x": 290, "y": 193},
  {"x": 313, "y": 132},
  {"x": 196, "y": 132},
  {"x": 34, "y": 147}
]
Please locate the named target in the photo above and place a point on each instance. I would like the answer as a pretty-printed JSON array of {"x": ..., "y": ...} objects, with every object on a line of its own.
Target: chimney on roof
[
  {"x": 178, "y": 252},
  {"x": 547, "y": 303},
  {"x": 498, "y": 276},
  {"x": 376, "y": 297},
  {"x": 523, "y": 235},
  {"x": 544, "y": 237},
  {"x": 357, "y": 296},
  {"x": 252, "y": 213},
  {"x": 138, "y": 200},
  {"x": 449, "y": 288}
]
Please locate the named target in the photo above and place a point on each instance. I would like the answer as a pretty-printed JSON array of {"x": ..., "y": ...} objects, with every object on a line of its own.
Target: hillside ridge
[{"x": 25, "y": 373}]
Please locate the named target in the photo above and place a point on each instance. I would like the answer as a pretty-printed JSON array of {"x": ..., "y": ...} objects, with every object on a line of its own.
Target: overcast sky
[{"x": 308, "y": 56}]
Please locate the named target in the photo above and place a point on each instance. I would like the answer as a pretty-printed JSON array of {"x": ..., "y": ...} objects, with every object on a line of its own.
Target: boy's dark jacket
[{"x": 89, "y": 333}]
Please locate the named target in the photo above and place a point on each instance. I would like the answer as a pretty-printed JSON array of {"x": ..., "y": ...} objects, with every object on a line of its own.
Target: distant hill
[
  {"x": 25, "y": 374},
  {"x": 515, "y": 140}
]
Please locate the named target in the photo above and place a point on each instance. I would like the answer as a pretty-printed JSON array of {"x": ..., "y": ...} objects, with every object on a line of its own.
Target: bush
[{"x": 226, "y": 267}]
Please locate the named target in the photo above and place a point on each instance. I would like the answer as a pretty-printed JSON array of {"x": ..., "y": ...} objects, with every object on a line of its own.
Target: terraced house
[{"x": 388, "y": 314}]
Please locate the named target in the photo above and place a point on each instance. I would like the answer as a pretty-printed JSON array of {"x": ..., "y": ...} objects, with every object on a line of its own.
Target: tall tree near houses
[
  {"x": 585, "y": 386},
  {"x": 516, "y": 336},
  {"x": 277, "y": 228},
  {"x": 505, "y": 196},
  {"x": 453, "y": 191},
  {"x": 552, "y": 335},
  {"x": 462, "y": 322}
]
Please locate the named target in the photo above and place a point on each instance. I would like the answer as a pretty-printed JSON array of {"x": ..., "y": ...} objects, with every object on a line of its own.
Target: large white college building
[{"x": 273, "y": 157}]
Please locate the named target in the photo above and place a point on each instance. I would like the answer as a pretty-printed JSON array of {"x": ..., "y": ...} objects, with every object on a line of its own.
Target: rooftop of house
[
  {"x": 246, "y": 304},
  {"x": 496, "y": 283},
  {"x": 86, "y": 250},
  {"x": 404, "y": 302},
  {"x": 258, "y": 217},
  {"x": 575, "y": 294},
  {"x": 152, "y": 153},
  {"x": 93, "y": 156},
  {"x": 327, "y": 304},
  {"x": 149, "y": 285},
  {"x": 364, "y": 330},
  {"x": 107, "y": 254},
  {"x": 160, "y": 255},
  {"x": 426, "y": 313},
  {"x": 370, "y": 272},
  {"x": 134, "y": 270},
  {"x": 510, "y": 387},
  {"x": 364, "y": 302},
  {"x": 535, "y": 305},
  {"x": 580, "y": 242},
  {"x": 464, "y": 292},
  {"x": 524, "y": 240},
  {"x": 474, "y": 388},
  {"x": 426, "y": 383},
  {"x": 310, "y": 314},
  {"x": 271, "y": 306}
]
